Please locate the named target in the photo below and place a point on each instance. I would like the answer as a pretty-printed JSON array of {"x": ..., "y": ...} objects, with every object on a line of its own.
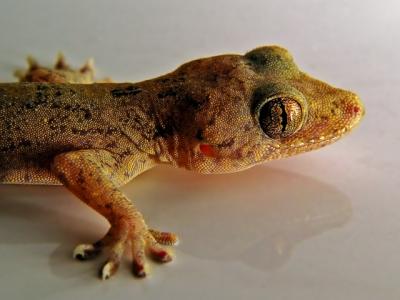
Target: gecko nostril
[{"x": 355, "y": 110}]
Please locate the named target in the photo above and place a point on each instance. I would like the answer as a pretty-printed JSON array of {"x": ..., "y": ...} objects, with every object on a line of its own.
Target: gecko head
[
  {"x": 261, "y": 108},
  {"x": 297, "y": 112}
]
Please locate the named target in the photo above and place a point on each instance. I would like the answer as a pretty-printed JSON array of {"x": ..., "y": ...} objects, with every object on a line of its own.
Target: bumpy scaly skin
[{"x": 205, "y": 116}]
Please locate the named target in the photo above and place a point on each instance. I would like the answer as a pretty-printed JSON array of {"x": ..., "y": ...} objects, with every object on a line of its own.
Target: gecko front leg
[{"x": 90, "y": 175}]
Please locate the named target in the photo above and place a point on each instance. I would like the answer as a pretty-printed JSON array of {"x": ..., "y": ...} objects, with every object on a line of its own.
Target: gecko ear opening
[{"x": 280, "y": 110}]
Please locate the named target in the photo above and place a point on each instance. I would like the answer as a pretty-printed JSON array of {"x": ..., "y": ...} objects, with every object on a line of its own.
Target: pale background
[{"x": 323, "y": 225}]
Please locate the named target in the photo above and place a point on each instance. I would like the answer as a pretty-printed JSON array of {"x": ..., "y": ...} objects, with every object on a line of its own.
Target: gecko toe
[
  {"x": 138, "y": 269},
  {"x": 142, "y": 243},
  {"x": 159, "y": 254},
  {"x": 165, "y": 238},
  {"x": 155, "y": 250},
  {"x": 138, "y": 256}
]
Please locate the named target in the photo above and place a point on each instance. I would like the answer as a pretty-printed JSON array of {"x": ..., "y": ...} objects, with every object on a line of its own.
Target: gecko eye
[{"x": 280, "y": 117}]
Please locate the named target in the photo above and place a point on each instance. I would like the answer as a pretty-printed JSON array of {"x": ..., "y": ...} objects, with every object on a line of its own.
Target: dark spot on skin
[
  {"x": 211, "y": 122},
  {"x": 167, "y": 93},
  {"x": 212, "y": 77},
  {"x": 335, "y": 104},
  {"x": 8, "y": 148},
  {"x": 41, "y": 94},
  {"x": 42, "y": 87},
  {"x": 256, "y": 58},
  {"x": 227, "y": 143},
  {"x": 108, "y": 205},
  {"x": 87, "y": 114},
  {"x": 80, "y": 178},
  {"x": 112, "y": 144},
  {"x": 77, "y": 131},
  {"x": 124, "y": 154},
  {"x": 165, "y": 130},
  {"x": 62, "y": 128},
  {"x": 111, "y": 130},
  {"x": 247, "y": 127},
  {"x": 128, "y": 91},
  {"x": 199, "y": 135},
  {"x": 25, "y": 143},
  {"x": 178, "y": 79},
  {"x": 29, "y": 104},
  {"x": 192, "y": 102},
  {"x": 56, "y": 103},
  {"x": 8, "y": 125},
  {"x": 62, "y": 178},
  {"x": 124, "y": 121},
  {"x": 27, "y": 178},
  {"x": 324, "y": 118}
]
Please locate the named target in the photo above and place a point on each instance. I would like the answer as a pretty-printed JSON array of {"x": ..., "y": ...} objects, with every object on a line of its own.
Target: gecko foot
[
  {"x": 60, "y": 73},
  {"x": 118, "y": 239}
]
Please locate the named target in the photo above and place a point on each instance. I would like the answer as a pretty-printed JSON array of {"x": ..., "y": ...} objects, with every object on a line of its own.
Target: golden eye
[{"x": 280, "y": 117}]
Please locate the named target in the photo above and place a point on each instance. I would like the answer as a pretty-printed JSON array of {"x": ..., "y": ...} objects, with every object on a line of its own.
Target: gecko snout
[{"x": 354, "y": 110}]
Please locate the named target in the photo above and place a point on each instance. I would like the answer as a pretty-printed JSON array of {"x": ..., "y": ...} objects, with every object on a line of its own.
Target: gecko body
[{"x": 212, "y": 115}]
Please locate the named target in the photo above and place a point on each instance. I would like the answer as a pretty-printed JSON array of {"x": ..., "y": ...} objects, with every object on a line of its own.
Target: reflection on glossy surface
[{"x": 256, "y": 217}]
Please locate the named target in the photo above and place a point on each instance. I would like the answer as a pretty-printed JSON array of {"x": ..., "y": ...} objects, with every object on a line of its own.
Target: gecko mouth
[{"x": 352, "y": 114}]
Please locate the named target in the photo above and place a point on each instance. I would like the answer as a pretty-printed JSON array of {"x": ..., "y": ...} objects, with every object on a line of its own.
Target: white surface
[{"x": 323, "y": 225}]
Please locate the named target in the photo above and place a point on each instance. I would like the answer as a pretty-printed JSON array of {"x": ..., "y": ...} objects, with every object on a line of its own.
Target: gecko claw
[
  {"x": 85, "y": 252},
  {"x": 108, "y": 269},
  {"x": 138, "y": 269}
]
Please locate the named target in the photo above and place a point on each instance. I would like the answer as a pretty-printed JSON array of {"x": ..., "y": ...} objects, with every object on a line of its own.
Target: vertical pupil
[
  {"x": 283, "y": 114},
  {"x": 273, "y": 118}
]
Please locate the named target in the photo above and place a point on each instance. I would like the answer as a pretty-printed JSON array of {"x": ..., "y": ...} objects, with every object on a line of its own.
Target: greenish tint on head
[{"x": 272, "y": 60}]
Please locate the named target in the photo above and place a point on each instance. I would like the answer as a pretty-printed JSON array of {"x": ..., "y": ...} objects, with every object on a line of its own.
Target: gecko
[{"x": 217, "y": 114}]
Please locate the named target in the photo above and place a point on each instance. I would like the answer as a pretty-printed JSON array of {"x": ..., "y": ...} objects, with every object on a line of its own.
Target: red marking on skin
[
  {"x": 207, "y": 150},
  {"x": 161, "y": 256},
  {"x": 352, "y": 110}
]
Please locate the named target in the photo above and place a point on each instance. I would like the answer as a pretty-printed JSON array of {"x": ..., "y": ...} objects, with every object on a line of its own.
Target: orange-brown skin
[{"x": 212, "y": 115}]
